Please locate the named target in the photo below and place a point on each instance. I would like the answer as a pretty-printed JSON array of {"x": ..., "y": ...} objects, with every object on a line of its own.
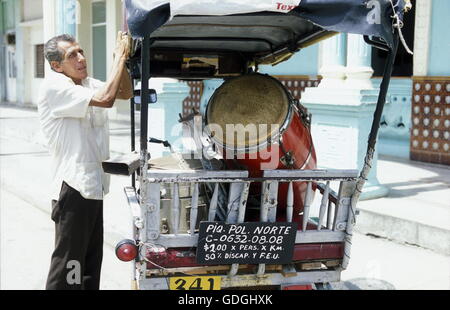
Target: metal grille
[
  {"x": 334, "y": 223},
  {"x": 193, "y": 100},
  {"x": 430, "y": 135},
  {"x": 296, "y": 84}
]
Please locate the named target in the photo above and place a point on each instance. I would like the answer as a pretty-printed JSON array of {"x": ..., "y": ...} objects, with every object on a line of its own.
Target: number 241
[{"x": 195, "y": 285}]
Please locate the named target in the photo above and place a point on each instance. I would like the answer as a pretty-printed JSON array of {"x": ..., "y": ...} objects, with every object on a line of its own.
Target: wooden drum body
[{"x": 282, "y": 139}]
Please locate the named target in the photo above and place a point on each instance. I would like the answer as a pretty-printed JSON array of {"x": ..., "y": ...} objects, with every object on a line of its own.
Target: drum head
[{"x": 248, "y": 100}]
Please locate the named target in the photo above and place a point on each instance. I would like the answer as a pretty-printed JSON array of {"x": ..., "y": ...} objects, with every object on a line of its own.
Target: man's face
[{"x": 73, "y": 64}]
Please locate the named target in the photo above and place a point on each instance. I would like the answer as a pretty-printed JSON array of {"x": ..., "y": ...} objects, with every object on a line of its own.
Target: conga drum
[{"x": 256, "y": 125}]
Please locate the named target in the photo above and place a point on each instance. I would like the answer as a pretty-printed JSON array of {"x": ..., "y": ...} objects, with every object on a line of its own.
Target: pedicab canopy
[{"x": 249, "y": 32}]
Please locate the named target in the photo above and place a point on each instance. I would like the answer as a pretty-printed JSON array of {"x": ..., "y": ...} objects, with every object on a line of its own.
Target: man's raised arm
[
  {"x": 106, "y": 96},
  {"x": 126, "y": 86}
]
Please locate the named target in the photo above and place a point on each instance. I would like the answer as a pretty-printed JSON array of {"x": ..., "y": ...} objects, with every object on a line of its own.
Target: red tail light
[{"x": 126, "y": 250}]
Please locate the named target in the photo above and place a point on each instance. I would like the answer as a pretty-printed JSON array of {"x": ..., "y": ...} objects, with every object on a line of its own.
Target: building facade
[
  {"x": 27, "y": 24},
  {"x": 416, "y": 119}
]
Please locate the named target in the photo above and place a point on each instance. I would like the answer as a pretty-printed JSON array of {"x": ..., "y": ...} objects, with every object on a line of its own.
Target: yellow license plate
[{"x": 194, "y": 283}]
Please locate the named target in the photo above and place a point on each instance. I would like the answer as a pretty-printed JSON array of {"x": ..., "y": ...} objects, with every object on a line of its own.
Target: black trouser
[{"x": 77, "y": 259}]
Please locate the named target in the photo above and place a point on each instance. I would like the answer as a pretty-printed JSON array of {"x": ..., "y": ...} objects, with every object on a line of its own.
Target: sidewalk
[
  {"x": 417, "y": 208},
  {"x": 416, "y": 211}
]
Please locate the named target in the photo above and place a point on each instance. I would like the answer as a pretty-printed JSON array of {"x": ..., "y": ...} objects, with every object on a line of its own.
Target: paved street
[{"x": 27, "y": 237}]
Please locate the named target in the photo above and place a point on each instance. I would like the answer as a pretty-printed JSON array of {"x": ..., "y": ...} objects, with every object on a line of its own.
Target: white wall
[
  {"x": 84, "y": 31},
  {"x": 36, "y": 37},
  {"x": 32, "y": 28},
  {"x": 10, "y": 82},
  {"x": 32, "y": 9}
]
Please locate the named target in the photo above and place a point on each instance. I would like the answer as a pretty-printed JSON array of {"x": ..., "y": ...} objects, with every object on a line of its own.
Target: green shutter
[{"x": 9, "y": 15}]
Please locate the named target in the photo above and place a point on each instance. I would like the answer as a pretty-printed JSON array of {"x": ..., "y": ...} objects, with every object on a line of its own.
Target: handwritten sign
[{"x": 246, "y": 243}]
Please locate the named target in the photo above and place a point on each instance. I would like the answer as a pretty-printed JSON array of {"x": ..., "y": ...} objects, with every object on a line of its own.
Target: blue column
[
  {"x": 209, "y": 86},
  {"x": 342, "y": 108},
  {"x": 333, "y": 59},
  {"x": 439, "y": 49},
  {"x": 359, "y": 70},
  {"x": 170, "y": 100},
  {"x": 304, "y": 62},
  {"x": 67, "y": 17}
]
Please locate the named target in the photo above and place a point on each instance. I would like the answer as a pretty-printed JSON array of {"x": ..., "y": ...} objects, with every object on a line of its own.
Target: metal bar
[
  {"x": 145, "y": 75},
  {"x": 307, "y": 205},
  {"x": 289, "y": 269},
  {"x": 208, "y": 175},
  {"x": 269, "y": 194},
  {"x": 337, "y": 207},
  {"x": 263, "y": 215},
  {"x": 236, "y": 211},
  {"x": 273, "y": 201},
  {"x": 323, "y": 205},
  {"x": 136, "y": 212},
  {"x": 171, "y": 176},
  {"x": 269, "y": 175},
  {"x": 213, "y": 203},
  {"x": 153, "y": 206},
  {"x": 264, "y": 210},
  {"x": 243, "y": 202},
  {"x": 330, "y": 215},
  {"x": 261, "y": 270},
  {"x": 332, "y": 194},
  {"x": 175, "y": 206},
  {"x": 133, "y": 132},
  {"x": 233, "y": 270},
  {"x": 234, "y": 201},
  {"x": 143, "y": 188},
  {"x": 323, "y": 174},
  {"x": 194, "y": 209},
  {"x": 241, "y": 215},
  {"x": 384, "y": 86},
  {"x": 290, "y": 203},
  {"x": 347, "y": 204}
]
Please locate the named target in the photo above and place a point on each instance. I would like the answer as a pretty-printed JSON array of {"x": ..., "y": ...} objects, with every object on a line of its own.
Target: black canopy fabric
[
  {"x": 366, "y": 17},
  {"x": 374, "y": 18}
]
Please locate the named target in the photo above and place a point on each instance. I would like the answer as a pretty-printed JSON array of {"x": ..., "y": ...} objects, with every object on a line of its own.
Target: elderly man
[{"x": 73, "y": 116}]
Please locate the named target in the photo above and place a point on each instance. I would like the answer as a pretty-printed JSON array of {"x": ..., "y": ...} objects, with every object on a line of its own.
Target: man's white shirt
[{"x": 77, "y": 135}]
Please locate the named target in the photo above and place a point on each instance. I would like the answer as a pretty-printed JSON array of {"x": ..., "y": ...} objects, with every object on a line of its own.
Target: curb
[{"x": 403, "y": 231}]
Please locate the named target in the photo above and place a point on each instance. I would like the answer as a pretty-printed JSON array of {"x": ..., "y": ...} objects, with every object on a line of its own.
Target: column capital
[
  {"x": 359, "y": 69},
  {"x": 332, "y": 69}
]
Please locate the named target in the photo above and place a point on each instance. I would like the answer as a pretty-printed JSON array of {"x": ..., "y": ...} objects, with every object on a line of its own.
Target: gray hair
[{"x": 51, "y": 50}]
